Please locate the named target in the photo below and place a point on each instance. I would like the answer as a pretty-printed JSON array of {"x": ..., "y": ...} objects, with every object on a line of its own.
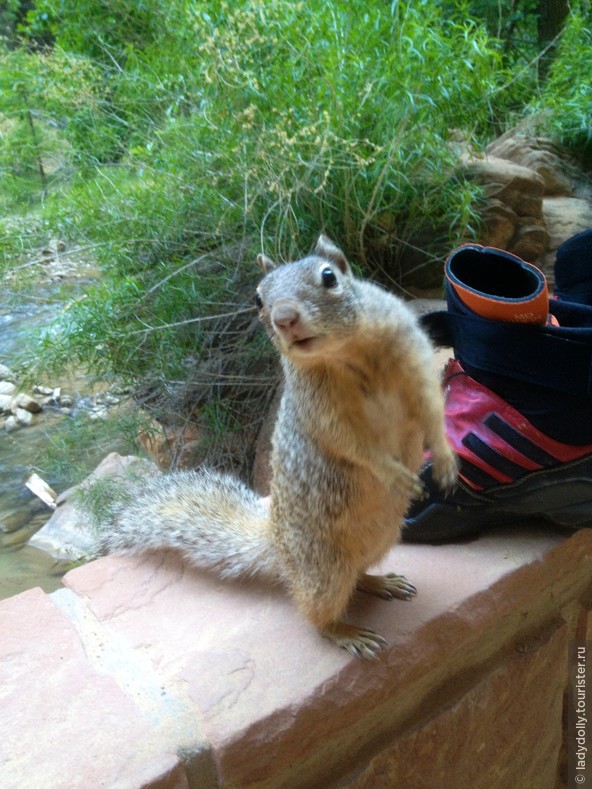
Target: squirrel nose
[{"x": 285, "y": 316}]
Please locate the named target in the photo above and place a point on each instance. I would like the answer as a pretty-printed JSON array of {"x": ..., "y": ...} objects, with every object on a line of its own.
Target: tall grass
[{"x": 192, "y": 135}]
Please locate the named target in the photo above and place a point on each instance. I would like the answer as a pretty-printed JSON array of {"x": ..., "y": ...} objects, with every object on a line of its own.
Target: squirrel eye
[
  {"x": 258, "y": 301},
  {"x": 328, "y": 277}
]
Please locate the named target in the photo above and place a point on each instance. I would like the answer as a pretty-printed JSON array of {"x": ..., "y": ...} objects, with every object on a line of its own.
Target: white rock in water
[
  {"x": 6, "y": 373},
  {"x": 7, "y": 388},
  {"x": 23, "y": 417},
  {"x": 11, "y": 424},
  {"x": 98, "y": 412},
  {"x": 42, "y": 490},
  {"x": 26, "y": 402},
  {"x": 5, "y": 403}
]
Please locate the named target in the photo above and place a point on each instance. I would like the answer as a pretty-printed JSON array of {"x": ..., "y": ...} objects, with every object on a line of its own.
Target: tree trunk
[{"x": 551, "y": 16}]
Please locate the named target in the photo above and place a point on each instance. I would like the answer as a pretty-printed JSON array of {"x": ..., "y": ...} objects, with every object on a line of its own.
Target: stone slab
[
  {"x": 281, "y": 706},
  {"x": 505, "y": 714},
  {"x": 64, "y": 725},
  {"x": 69, "y": 533}
]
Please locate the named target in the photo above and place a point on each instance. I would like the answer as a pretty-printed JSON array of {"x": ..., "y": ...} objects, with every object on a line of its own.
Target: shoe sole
[{"x": 561, "y": 495}]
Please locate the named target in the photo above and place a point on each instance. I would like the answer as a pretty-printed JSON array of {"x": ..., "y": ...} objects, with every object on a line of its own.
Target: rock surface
[
  {"x": 68, "y": 728},
  {"x": 26, "y": 403},
  {"x": 144, "y": 658},
  {"x": 538, "y": 154},
  {"x": 564, "y": 217},
  {"x": 535, "y": 197},
  {"x": 69, "y": 533},
  {"x": 7, "y": 389}
]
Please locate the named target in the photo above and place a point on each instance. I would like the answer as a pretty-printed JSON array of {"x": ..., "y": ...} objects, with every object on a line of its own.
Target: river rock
[
  {"x": 45, "y": 391},
  {"x": 530, "y": 239},
  {"x": 25, "y": 402},
  {"x": 68, "y": 534},
  {"x": 11, "y": 424},
  {"x": 7, "y": 388},
  {"x": 23, "y": 417},
  {"x": 6, "y": 373},
  {"x": 12, "y": 520},
  {"x": 98, "y": 412},
  {"x": 5, "y": 403}
]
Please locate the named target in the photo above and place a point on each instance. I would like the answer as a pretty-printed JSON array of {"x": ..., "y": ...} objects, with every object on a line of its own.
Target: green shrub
[
  {"x": 201, "y": 132},
  {"x": 566, "y": 100}
]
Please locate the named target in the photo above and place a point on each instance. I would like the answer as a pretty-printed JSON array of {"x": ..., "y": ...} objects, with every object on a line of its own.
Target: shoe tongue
[{"x": 497, "y": 285}]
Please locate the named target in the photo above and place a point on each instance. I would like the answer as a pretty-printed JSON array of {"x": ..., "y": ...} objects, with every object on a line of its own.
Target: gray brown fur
[{"x": 361, "y": 402}]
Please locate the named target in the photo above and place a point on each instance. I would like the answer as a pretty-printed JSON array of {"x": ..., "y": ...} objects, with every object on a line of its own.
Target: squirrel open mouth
[{"x": 305, "y": 344}]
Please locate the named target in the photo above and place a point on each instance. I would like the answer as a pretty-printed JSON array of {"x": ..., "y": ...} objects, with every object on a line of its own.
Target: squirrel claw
[
  {"x": 411, "y": 485},
  {"x": 445, "y": 473},
  {"x": 390, "y": 586},
  {"x": 361, "y": 642}
]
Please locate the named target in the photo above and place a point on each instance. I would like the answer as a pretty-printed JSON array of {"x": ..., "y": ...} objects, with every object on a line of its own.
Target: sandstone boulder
[
  {"x": 515, "y": 186},
  {"x": 69, "y": 533},
  {"x": 534, "y": 197},
  {"x": 564, "y": 217},
  {"x": 513, "y": 208},
  {"x": 539, "y": 154}
]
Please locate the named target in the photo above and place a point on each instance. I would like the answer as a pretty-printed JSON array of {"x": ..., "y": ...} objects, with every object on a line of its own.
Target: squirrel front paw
[
  {"x": 406, "y": 482},
  {"x": 390, "y": 586},
  {"x": 445, "y": 470}
]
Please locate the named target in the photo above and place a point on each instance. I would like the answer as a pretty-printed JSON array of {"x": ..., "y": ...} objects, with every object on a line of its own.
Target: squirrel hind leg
[
  {"x": 324, "y": 607},
  {"x": 390, "y": 586},
  {"x": 358, "y": 641}
]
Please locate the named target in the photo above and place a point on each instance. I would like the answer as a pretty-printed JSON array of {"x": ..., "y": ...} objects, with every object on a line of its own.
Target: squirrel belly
[{"x": 214, "y": 520}]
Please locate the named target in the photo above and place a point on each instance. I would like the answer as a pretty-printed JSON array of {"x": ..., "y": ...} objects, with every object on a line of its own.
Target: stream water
[{"x": 21, "y": 513}]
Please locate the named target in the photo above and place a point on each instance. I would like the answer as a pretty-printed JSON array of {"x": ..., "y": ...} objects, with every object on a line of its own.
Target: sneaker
[
  {"x": 573, "y": 269},
  {"x": 518, "y": 397}
]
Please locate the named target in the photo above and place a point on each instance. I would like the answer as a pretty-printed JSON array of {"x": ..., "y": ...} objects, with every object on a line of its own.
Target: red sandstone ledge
[{"x": 142, "y": 672}]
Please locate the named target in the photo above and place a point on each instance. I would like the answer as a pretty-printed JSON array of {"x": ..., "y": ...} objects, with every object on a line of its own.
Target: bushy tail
[{"x": 213, "y": 519}]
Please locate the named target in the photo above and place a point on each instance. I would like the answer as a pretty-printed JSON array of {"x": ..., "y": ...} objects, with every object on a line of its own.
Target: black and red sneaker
[{"x": 518, "y": 395}]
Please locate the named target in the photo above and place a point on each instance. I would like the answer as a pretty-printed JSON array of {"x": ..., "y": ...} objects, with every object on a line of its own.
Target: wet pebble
[
  {"x": 25, "y": 402},
  {"x": 6, "y": 373},
  {"x": 7, "y": 388}
]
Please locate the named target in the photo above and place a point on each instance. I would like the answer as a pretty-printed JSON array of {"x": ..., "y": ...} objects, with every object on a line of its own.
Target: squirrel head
[
  {"x": 324, "y": 248},
  {"x": 308, "y": 307}
]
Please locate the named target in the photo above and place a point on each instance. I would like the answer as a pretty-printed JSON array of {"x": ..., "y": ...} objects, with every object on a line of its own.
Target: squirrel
[{"x": 361, "y": 403}]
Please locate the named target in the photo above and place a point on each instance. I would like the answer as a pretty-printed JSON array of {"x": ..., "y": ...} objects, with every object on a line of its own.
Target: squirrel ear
[
  {"x": 325, "y": 248},
  {"x": 265, "y": 263}
]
